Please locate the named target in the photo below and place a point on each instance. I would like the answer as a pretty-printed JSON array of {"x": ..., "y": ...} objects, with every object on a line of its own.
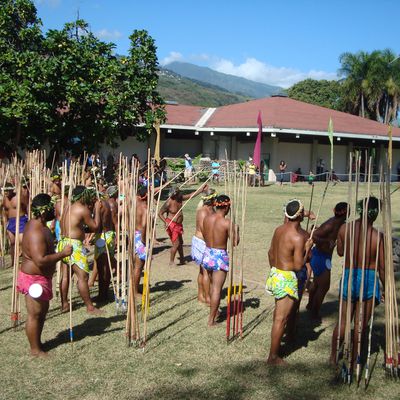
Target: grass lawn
[{"x": 184, "y": 359}]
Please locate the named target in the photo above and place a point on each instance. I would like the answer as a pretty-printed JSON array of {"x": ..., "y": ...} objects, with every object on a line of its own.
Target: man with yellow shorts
[{"x": 287, "y": 255}]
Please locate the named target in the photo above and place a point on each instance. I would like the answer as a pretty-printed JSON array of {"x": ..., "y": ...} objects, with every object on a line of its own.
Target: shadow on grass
[
  {"x": 91, "y": 327},
  {"x": 166, "y": 286},
  {"x": 237, "y": 381},
  {"x": 253, "y": 302}
]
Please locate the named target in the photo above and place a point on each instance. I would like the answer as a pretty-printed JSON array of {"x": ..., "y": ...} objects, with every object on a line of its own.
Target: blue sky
[{"x": 276, "y": 42}]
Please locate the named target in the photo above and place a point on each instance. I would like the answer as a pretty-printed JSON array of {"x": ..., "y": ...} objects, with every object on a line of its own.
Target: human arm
[
  {"x": 38, "y": 249},
  {"x": 202, "y": 188},
  {"x": 340, "y": 241},
  {"x": 164, "y": 210},
  {"x": 93, "y": 224},
  {"x": 271, "y": 257},
  {"x": 235, "y": 232}
]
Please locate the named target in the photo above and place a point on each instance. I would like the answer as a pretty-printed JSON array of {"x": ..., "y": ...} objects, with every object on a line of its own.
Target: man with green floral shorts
[{"x": 287, "y": 255}]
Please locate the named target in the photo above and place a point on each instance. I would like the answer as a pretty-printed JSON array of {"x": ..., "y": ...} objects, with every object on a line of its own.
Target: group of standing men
[
  {"x": 293, "y": 250},
  {"x": 293, "y": 253}
]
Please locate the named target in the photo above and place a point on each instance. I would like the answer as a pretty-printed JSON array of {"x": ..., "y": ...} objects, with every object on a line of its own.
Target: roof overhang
[{"x": 280, "y": 130}]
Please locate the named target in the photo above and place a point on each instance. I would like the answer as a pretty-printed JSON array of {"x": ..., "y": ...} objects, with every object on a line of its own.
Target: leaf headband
[{"x": 297, "y": 213}]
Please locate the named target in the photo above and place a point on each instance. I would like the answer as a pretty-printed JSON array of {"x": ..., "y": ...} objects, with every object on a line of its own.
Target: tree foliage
[
  {"x": 319, "y": 92},
  {"x": 68, "y": 88},
  {"x": 372, "y": 84}
]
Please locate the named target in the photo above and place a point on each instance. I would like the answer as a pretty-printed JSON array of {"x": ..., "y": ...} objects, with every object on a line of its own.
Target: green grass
[{"x": 184, "y": 359}]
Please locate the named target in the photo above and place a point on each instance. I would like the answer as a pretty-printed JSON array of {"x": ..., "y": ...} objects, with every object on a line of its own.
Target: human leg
[
  {"x": 137, "y": 273},
  {"x": 64, "y": 287},
  {"x": 206, "y": 285},
  {"x": 37, "y": 310},
  {"x": 84, "y": 289},
  {"x": 217, "y": 282},
  {"x": 283, "y": 308},
  {"x": 323, "y": 283}
]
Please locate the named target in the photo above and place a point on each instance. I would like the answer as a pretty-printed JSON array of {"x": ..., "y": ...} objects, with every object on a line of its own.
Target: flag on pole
[
  {"x": 330, "y": 133},
  {"x": 157, "y": 145},
  {"x": 257, "y": 147}
]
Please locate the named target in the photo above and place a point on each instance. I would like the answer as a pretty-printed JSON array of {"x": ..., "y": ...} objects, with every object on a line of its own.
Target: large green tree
[
  {"x": 319, "y": 92},
  {"x": 21, "y": 105},
  {"x": 69, "y": 89}
]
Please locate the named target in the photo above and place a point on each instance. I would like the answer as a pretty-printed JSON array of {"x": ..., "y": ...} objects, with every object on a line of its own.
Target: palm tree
[{"x": 355, "y": 69}]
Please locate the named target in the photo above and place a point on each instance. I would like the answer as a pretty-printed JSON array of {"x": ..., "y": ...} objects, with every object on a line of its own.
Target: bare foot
[
  {"x": 212, "y": 324},
  {"x": 276, "y": 361},
  {"x": 39, "y": 354},
  {"x": 94, "y": 311},
  {"x": 64, "y": 308}
]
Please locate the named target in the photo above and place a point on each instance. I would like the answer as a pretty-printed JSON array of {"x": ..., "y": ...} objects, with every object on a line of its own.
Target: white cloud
[
  {"x": 110, "y": 35},
  {"x": 259, "y": 71},
  {"x": 50, "y": 3},
  {"x": 173, "y": 56}
]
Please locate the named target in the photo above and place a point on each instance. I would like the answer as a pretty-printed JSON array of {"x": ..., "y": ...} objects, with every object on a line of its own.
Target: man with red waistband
[
  {"x": 37, "y": 269},
  {"x": 172, "y": 208}
]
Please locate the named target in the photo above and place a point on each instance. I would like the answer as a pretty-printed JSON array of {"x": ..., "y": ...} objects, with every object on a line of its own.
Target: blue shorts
[
  {"x": 140, "y": 248},
  {"x": 301, "y": 278},
  {"x": 368, "y": 292},
  {"x": 320, "y": 262},
  {"x": 57, "y": 230},
  {"x": 12, "y": 224}
]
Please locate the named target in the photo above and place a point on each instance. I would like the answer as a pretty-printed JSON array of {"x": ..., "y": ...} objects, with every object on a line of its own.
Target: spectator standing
[
  {"x": 188, "y": 167},
  {"x": 282, "y": 170}
]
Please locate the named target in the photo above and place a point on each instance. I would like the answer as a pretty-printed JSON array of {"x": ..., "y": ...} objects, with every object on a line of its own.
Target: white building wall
[
  {"x": 178, "y": 147},
  {"x": 340, "y": 158},
  {"x": 296, "y": 155}
]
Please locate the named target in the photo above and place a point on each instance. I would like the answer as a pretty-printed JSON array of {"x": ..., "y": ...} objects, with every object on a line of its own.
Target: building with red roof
[{"x": 293, "y": 131}]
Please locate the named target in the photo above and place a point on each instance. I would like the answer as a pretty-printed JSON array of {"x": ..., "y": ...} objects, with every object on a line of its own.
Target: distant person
[
  {"x": 251, "y": 168},
  {"x": 215, "y": 165},
  {"x": 188, "y": 167},
  {"x": 311, "y": 178},
  {"x": 282, "y": 170}
]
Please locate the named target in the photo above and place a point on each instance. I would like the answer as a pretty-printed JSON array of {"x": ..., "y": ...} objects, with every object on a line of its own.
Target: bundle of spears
[
  {"x": 358, "y": 241},
  {"x": 236, "y": 184}
]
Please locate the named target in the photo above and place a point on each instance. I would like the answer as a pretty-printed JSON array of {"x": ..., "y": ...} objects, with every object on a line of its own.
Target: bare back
[
  {"x": 10, "y": 207},
  {"x": 287, "y": 249},
  {"x": 358, "y": 247},
  {"x": 216, "y": 231},
  {"x": 107, "y": 223},
  {"x": 201, "y": 213},
  {"x": 325, "y": 236},
  {"x": 141, "y": 217}
]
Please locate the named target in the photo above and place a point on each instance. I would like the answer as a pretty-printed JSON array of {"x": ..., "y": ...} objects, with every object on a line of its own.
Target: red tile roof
[
  {"x": 184, "y": 115},
  {"x": 278, "y": 112}
]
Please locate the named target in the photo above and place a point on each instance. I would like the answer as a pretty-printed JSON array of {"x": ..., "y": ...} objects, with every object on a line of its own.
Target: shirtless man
[
  {"x": 321, "y": 258},
  {"x": 369, "y": 272},
  {"x": 101, "y": 240},
  {"x": 56, "y": 185},
  {"x": 37, "y": 268},
  {"x": 174, "y": 218},
  {"x": 72, "y": 232},
  {"x": 216, "y": 231},
  {"x": 287, "y": 255},
  {"x": 9, "y": 206},
  {"x": 199, "y": 246},
  {"x": 140, "y": 236}
]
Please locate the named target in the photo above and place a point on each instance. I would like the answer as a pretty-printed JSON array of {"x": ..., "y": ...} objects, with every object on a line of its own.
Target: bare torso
[
  {"x": 35, "y": 228},
  {"x": 10, "y": 207},
  {"x": 201, "y": 213},
  {"x": 141, "y": 217},
  {"x": 174, "y": 210},
  {"x": 325, "y": 236},
  {"x": 287, "y": 247},
  {"x": 358, "y": 253},
  {"x": 72, "y": 221},
  {"x": 216, "y": 231},
  {"x": 106, "y": 217}
]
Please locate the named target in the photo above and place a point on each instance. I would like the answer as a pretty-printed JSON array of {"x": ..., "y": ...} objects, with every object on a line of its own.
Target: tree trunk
[{"x": 362, "y": 105}]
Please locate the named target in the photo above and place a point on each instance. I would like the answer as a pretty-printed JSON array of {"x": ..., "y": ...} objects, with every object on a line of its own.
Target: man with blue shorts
[
  {"x": 321, "y": 258},
  {"x": 370, "y": 265}
]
